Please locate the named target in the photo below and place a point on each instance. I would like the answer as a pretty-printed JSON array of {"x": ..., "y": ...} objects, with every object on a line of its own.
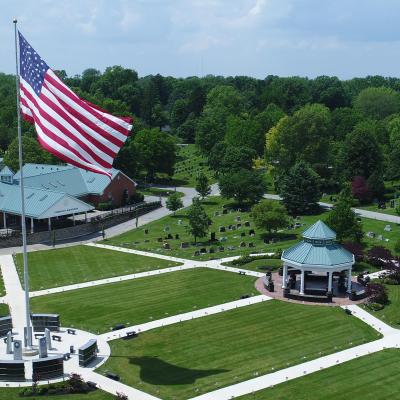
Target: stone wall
[{"x": 81, "y": 230}]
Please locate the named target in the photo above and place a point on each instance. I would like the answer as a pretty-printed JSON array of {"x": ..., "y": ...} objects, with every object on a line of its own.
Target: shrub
[
  {"x": 104, "y": 206},
  {"x": 376, "y": 293},
  {"x": 245, "y": 259},
  {"x": 375, "y": 306},
  {"x": 136, "y": 198}
]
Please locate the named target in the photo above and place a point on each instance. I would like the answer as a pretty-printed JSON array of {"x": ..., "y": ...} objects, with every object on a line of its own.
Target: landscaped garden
[
  {"x": 75, "y": 264},
  {"x": 371, "y": 377},
  {"x": 14, "y": 394},
  {"x": 99, "y": 308},
  {"x": 194, "y": 357}
]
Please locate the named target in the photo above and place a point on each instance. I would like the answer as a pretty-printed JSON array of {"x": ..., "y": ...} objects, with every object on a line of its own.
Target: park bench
[
  {"x": 38, "y": 335},
  {"x": 56, "y": 338},
  {"x": 113, "y": 376},
  {"x": 118, "y": 327},
  {"x": 242, "y": 273},
  {"x": 71, "y": 331}
]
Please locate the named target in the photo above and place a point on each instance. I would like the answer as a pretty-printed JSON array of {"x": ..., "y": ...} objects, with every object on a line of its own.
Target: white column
[
  {"x": 330, "y": 281},
  {"x": 302, "y": 282},
  {"x": 50, "y": 224},
  {"x": 32, "y": 229},
  {"x": 284, "y": 277},
  {"x": 73, "y": 219},
  {"x": 349, "y": 281},
  {"x": 4, "y": 220},
  {"x": 85, "y": 217}
]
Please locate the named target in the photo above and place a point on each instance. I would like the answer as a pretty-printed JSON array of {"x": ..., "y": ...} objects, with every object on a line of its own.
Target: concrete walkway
[{"x": 203, "y": 312}]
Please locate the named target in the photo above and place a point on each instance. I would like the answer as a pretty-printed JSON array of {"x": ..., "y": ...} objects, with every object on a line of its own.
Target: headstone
[
  {"x": 196, "y": 253},
  {"x": 203, "y": 250},
  {"x": 177, "y": 236},
  {"x": 180, "y": 222},
  {"x": 237, "y": 219},
  {"x": 184, "y": 245},
  {"x": 17, "y": 348},
  {"x": 47, "y": 334},
  {"x": 159, "y": 240},
  {"x": 9, "y": 343},
  {"x": 229, "y": 227},
  {"x": 371, "y": 235},
  {"x": 166, "y": 228},
  {"x": 233, "y": 227},
  {"x": 387, "y": 228},
  {"x": 146, "y": 231},
  {"x": 169, "y": 237},
  {"x": 166, "y": 246},
  {"x": 242, "y": 244},
  {"x": 251, "y": 232},
  {"x": 212, "y": 237},
  {"x": 223, "y": 239},
  {"x": 251, "y": 244},
  {"x": 42, "y": 347},
  {"x": 247, "y": 223},
  {"x": 242, "y": 234},
  {"x": 211, "y": 250},
  {"x": 222, "y": 229},
  {"x": 238, "y": 226},
  {"x": 221, "y": 248},
  {"x": 380, "y": 237},
  {"x": 225, "y": 211},
  {"x": 216, "y": 213},
  {"x": 231, "y": 247}
]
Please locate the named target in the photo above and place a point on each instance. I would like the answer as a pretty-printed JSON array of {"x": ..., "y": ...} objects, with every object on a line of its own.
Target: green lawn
[
  {"x": 2, "y": 288},
  {"x": 159, "y": 192},
  {"x": 372, "y": 377},
  {"x": 136, "y": 238},
  {"x": 259, "y": 265},
  {"x": 99, "y": 308},
  {"x": 194, "y": 357},
  {"x": 4, "y": 310},
  {"x": 65, "y": 266},
  {"x": 391, "y": 312},
  {"x": 13, "y": 394},
  {"x": 372, "y": 225}
]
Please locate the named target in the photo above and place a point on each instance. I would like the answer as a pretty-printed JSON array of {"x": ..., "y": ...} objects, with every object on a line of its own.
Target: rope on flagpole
[{"x": 22, "y": 191}]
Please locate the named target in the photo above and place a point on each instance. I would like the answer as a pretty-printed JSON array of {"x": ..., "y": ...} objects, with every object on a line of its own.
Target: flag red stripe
[
  {"x": 85, "y": 106},
  {"x": 55, "y": 123},
  {"x": 75, "y": 125}
]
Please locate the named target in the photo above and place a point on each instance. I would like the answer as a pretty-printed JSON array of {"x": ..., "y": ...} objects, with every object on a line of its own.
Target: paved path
[
  {"x": 203, "y": 312},
  {"x": 108, "y": 281},
  {"x": 391, "y": 339}
]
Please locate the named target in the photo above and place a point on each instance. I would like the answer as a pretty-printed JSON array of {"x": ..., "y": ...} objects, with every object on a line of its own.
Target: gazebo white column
[
  {"x": 349, "y": 281},
  {"x": 284, "y": 276},
  {"x": 49, "y": 224},
  {"x": 32, "y": 226},
  {"x": 302, "y": 282},
  {"x": 4, "y": 220},
  {"x": 330, "y": 281},
  {"x": 73, "y": 219}
]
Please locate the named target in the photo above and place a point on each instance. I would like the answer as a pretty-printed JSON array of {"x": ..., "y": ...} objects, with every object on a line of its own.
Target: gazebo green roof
[
  {"x": 318, "y": 249},
  {"x": 319, "y": 231}
]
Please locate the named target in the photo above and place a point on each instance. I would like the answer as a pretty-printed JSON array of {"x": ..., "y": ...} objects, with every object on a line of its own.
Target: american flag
[{"x": 72, "y": 129}]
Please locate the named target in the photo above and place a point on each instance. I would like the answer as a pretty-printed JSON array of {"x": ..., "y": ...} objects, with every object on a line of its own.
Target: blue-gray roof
[
  {"x": 306, "y": 253},
  {"x": 39, "y": 203},
  {"x": 65, "y": 178},
  {"x": 6, "y": 172},
  {"x": 319, "y": 231}
]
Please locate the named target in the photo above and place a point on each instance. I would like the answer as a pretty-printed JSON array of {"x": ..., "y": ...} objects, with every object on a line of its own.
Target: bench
[
  {"x": 131, "y": 334},
  {"x": 245, "y": 296},
  {"x": 38, "y": 335},
  {"x": 92, "y": 385},
  {"x": 113, "y": 376},
  {"x": 118, "y": 327},
  {"x": 56, "y": 338},
  {"x": 242, "y": 273},
  {"x": 71, "y": 331},
  {"x": 67, "y": 356}
]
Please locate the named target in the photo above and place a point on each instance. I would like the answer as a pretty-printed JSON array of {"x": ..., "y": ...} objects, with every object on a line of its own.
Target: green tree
[
  {"x": 376, "y": 184},
  {"x": 242, "y": 186},
  {"x": 377, "y": 102},
  {"x": 199, "y": 221},
  {"x": 303, "y": 136},
  {"x": 343, "y": 220},
  {"x": 32, "y": 153},
  {"x": 269, "y": 215},
  {"x": 203, "y": 187},
  {"x": 174, "y": 203},
  {"x": 156, "y": 151},
  {"x": 300, "y": 189},
  {"x": 360, "y": 153}
]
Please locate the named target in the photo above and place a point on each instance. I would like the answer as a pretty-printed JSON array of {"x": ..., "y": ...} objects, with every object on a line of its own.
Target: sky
[{"x": 345, "y": 38}]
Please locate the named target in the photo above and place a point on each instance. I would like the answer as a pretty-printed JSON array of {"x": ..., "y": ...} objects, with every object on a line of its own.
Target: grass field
[
  {"x": 372, "y": 377},
  {"x": 372, "y": 225},
  {"x": 2, "y": 288},
  {"x": 391, "y": 312},
  {"x": 4, "y": 310},
  {"x": 194, "y": 357},
  {"x": 99, "y": 308},
  {"x": 259, "y": 265},
  {"x": 13, "y": 394},
  {"x": 159, "y": 192},
  {"x": 136, "y": 238},
  {"x": 65, "y": 266}
]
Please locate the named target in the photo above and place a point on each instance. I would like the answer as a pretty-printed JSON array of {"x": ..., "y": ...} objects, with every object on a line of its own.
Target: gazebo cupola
[{"x": 317, "y": 252}]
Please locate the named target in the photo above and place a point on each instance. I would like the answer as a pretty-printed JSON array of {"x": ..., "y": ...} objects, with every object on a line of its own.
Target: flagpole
[{"x": 21, "y": 185}]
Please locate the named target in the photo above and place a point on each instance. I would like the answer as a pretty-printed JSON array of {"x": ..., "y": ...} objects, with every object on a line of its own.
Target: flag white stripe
[
  {"x": 71, "y": 142},
  {"x": 61, "y": 149},
  {"x": 68, "y": 126},
  {"x": 100, "y": 138},
  {"x": 83, "y": 112},
  {"x": 119, "y": 121}
]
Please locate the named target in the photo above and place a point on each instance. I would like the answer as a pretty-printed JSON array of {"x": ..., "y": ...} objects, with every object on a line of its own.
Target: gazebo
[{"x": 317, "y": 253}]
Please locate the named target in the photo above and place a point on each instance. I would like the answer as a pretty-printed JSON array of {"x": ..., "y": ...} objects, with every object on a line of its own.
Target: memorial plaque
[
  {"x": 42, "y": 347},
  {"x": 48, "y": 368},
  {"x": 17, "y": 346}
]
